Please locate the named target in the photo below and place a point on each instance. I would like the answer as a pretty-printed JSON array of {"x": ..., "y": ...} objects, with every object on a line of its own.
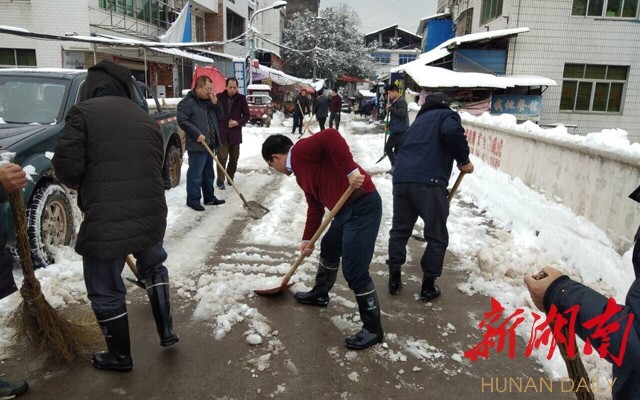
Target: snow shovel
[
  {"x": 452, "y": 193},
  {"x": 254, "y": 209},
  {"x": 132, "y": 266},
  {"x": 305, "y": 128},
  {"x": 285, "y": 281}
]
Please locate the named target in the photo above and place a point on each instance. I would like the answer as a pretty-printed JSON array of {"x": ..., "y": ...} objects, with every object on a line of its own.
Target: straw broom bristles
[{"x": 43, "y": 327}]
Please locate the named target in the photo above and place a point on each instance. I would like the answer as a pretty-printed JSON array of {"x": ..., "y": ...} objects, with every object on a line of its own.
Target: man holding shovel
[
  {"x": 300, "y": 108},
  {"x": 422, "y": 170},
  {"x": 324, "y": 169}
]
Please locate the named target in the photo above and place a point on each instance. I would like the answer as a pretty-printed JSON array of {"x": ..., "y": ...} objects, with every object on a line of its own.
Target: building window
[
  {"x": 381, "y": 58},
  {"x": 199, "y": 29},
  {"x": 17, "y": 58},
  {"x": 155, "y": 12},
  {"x": 235, "y": 24},
  {"x": 491, "y": 9},
  {"x": 605, "y": 8},
  {"x": 405, "y": 58},
  {"x": 588, "y": 87}
]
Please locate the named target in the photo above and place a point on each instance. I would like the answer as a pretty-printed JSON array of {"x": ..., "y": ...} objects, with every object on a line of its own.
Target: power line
[{"x": 379, "y": 11}]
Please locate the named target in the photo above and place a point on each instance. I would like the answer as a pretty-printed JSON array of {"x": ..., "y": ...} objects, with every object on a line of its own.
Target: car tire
[
  {"x": 49, "y": 222},
  {"x": 172, "y": 167}
]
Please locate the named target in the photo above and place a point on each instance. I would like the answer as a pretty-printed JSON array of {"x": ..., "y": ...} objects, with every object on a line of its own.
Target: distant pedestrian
[
  {"x": 234, "y": 116},
  {"x": 335, "y": 108},
  {"x": 420, "y": 179},
  {"x": 398, "y": 122},
  {"x": 321, "y": 108},
  {"x": 300, "y": 109},
  {"x": 324, "y": 169},
  {"x": 111, "y": 152},
  {"x": 198, "y": 115}
]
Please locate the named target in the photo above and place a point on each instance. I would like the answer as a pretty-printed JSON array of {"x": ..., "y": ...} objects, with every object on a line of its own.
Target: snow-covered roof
[
  {"x": 257, "y": 86},
  {"x": 436, "y": 77},
  {"x": 390, "y": 27},
  {"x": 281, "y": 78},
  {"x": 184, "y": 54},
  {"x": 423, "y": 21},
  {"x": 215, "y": 53},
  {"x": 444, "y": 50}
]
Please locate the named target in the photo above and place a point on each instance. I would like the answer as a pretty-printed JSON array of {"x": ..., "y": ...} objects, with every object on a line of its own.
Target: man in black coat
[
  {"x": 300, "y": 108},
  {"x": 398, "y": 122},
  {"x": 420, "y": 179},
  {"x": 558, "y": 290},
  {"x": 234, "y": 116},
  {"x": 111, "y": 152},
  {"x": 321, "y": 108},
  {"x": 198, "y": 115}
]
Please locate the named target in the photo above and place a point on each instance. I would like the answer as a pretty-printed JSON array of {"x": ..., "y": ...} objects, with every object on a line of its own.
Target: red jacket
[
  {"x": 321, "y": 164},
  {"x": 336, "y": 103},
  {"x": 239, "y": 111}
]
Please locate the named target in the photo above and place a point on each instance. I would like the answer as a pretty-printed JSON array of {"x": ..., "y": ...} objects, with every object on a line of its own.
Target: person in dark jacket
[
  {"x": 324, "y": 169},
  {"x": 300, "y": 108},
  {"x": 321, "y": 108},
  {"x": 420, "y": 179},
  {"x": 558, "y": 290},
  {"x": 111, "y": 152},
  {"x": 235, "y": 114},
  {"x": 198, "y": 115},
  {"x": 398, "y": 122},
  {"x": 335, "y": 107},
  {"x": 12, "y": 178}
]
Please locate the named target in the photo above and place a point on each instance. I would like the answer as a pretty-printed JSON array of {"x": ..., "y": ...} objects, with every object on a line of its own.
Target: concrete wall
[
  {"x": 41, "y": 16},
  {"x": 593, "y": 183}
]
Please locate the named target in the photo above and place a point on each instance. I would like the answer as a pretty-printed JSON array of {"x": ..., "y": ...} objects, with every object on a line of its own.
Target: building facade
[
  {"x": 392, "y": 46},
  {"x": 590, "y": 48}
]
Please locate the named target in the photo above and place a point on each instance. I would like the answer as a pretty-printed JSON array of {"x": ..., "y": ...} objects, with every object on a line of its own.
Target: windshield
[{"x": 25, "y": 100}]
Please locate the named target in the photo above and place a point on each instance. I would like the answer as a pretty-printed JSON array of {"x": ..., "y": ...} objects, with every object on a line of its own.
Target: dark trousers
[
  {"x": 352, "y": 237},
  {"x": 232, "y": 152},
  {"x": 391, "y": 148},
  {"x": 200, "y": 177},
  {"x": 103, "y": 276},
  {"x": 410, "y": 201},
  {"x": 297, "y": 122},
  {"x": 321, "y": 121},
  {"x": 335, "y": 116},
  {"x": 635, "y": 258}
]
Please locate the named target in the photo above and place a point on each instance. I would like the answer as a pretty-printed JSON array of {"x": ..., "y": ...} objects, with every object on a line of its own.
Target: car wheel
[
  {"x": 49, "y": 221},
  {"x": 172, "y": 167}
]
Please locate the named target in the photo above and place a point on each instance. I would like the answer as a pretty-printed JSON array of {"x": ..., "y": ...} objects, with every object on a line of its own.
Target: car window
[{"x": 32, "y": 100}]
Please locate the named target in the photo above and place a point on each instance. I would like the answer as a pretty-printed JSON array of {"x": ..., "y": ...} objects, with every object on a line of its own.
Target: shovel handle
[
  {"x": 455, "y": 187},
  {"x": 327, "y": 220},
  {"x": 206, "y": 146},
  {"x": 131, "y": 264}
]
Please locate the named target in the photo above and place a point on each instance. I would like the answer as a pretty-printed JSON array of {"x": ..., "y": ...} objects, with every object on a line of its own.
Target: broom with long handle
[{"x": 44, "y": 328}]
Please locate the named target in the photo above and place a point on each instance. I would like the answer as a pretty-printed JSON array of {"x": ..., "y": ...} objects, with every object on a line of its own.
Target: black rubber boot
[
  {"x": 115, "y": 328},
  {"x": 395, "y": 280},
  {"x": 158, "y": 292},
  {"x": 429, "y": 290},
  {"x": 371, "y": 332},
  {"x": 325, "y": 278}
]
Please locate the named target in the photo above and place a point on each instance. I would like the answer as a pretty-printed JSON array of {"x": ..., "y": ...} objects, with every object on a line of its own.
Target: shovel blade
[
  {"x": 137, "y": 282},
  {"x": 256, "y": 210},
  {"x": 276, "y": 290}
]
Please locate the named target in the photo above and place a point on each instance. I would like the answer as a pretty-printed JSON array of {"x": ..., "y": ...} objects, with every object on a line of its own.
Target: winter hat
[
  {"x": 393, "y": 88},
  {"x": 438, "y": 98}
]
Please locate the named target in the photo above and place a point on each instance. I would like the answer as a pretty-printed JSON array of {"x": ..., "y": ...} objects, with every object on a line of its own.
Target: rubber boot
[
  {"x": 395, "y": 280},
  {"x": 115, "y": 328},
  {"x": 371, "y": 332},
  {"x": 158, "y": 292},
  {"x": 325, "y": 278},
  {"x": 429, "y": 290}
]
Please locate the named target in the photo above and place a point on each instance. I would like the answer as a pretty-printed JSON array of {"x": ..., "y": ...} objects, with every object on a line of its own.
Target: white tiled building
[{"x": 590, "y": 48}]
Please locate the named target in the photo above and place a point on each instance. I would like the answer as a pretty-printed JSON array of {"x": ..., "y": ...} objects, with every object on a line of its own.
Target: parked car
[
  {"x": 259, "y": 102},
  {"x": 33, "y": 107}
]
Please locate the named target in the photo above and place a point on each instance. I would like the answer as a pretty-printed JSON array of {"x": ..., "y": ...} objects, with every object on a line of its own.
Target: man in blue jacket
[
  {"x": 420, "y": 178},
  {"x": 198, "y": 115},
  {"x": 557, "y": 289}
]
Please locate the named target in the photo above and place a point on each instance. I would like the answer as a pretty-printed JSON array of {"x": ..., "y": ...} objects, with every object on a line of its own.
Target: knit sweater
[{"x": 321, "y": 164}]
